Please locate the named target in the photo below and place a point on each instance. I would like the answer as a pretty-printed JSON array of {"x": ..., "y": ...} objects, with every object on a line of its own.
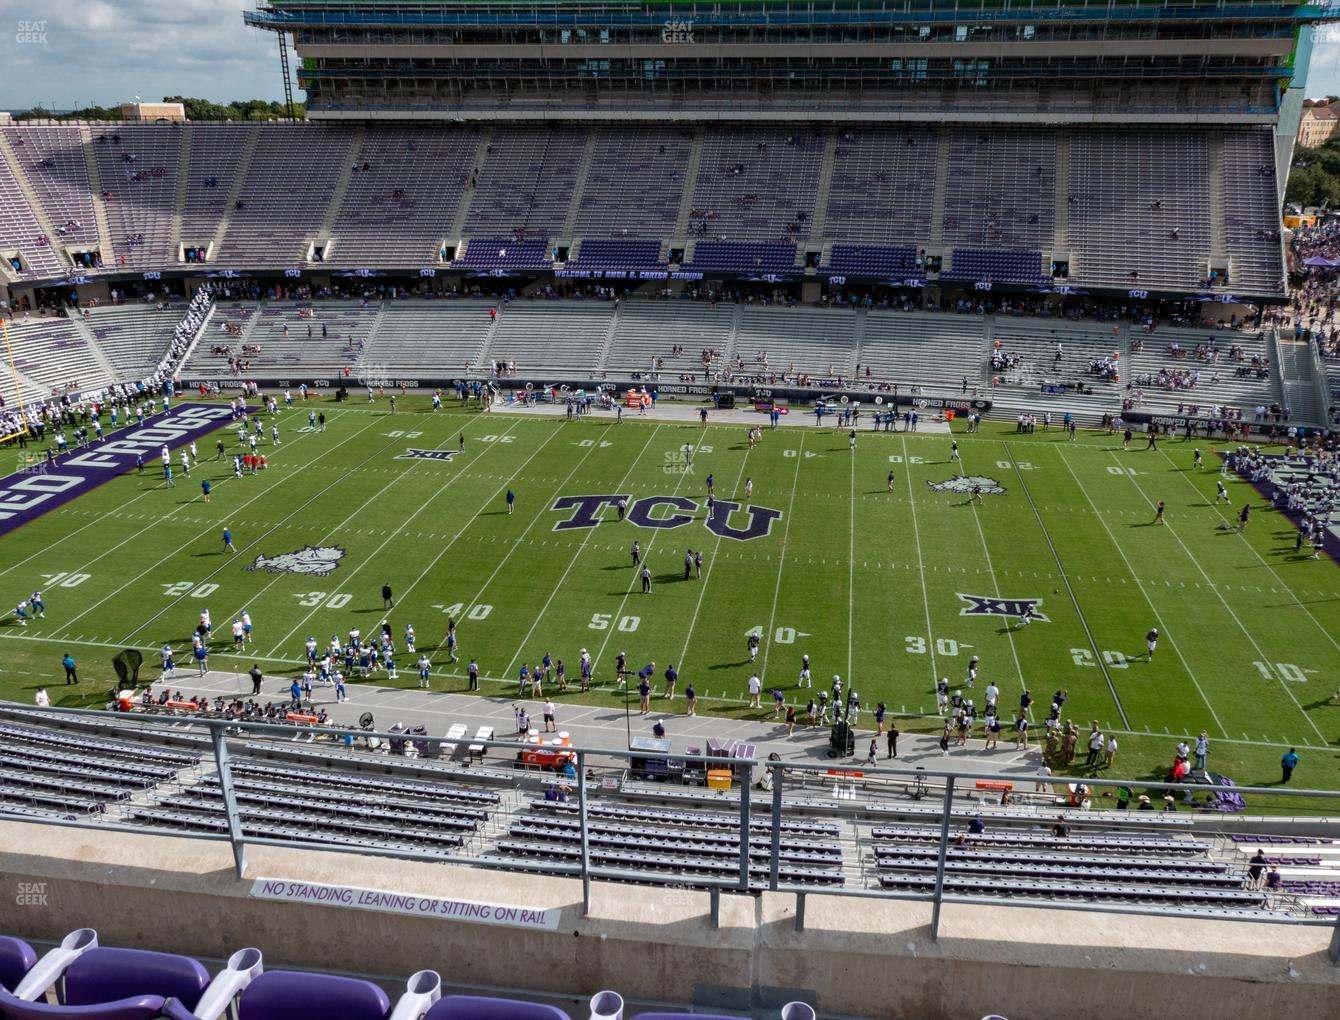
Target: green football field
[{"x": 889, "y": 589}]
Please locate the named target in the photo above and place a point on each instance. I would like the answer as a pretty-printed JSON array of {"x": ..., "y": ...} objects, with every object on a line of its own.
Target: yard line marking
[
  {"x": 117, "y": 513},
  {"x": 781, "y": 561},
  {"x": 217, "y": 528},
  {"x": 851, "y": 559},
  {"x": 1163, "y": 627},
  {"x": 1266, "y": 563},
  {"x": 1065, "y": 578},
  {"x": 921, "y": 563},
  {"x": 376, "y": 453},
  {"x": 693, "y": 623},
  {"x": 572, "y": 559},
  {"x": 991, "y": 572},
  {"x": 1172, "y": 530},
  {"x": 370, "y": 558}
]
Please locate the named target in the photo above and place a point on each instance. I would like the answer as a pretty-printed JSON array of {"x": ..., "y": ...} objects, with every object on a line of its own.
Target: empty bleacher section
[
  {"x": 935, "y": 352},
  {"x": 1251, "y": 212},
  {"x": 55, "y": 354},
  {"x": 261, "y": 194},
  {"x": 134, "y": 337},
  {"x": 526, "y": 182},
  {"x": 883, "y": 183},
  {"x": 873, "y": 260},
  {"x": 677, "y": 841},
  {"x": 1018, "y": 266},
  {"x": 502, "y": 814},
  {"x": 648, "y": 330},
  {"x": 815, "y": 344},
  {"x": 1000, "y": 192},
  {"x": 284, "y": 197},
  {"x": 216, "y": 152},
  {"x": 757, "y": 185},
  {"x": 52, "y": 158},
  {"x": 330, "y": 806},
  {"x": 66, "y": 774},
  {"x": 597, "y": 253},
  {"x": 399, "y": 211},
  {"x": 1084, "y": 864},
  {"x": 138, "y": 168},
  {"x": 22, "y": 235},
  {"x": 1138, "y": 207},
  {"x": 457, "y": 330},
  {"x": 635, "y": 182},
  {"x": 566, "y": 337},
  {"x": 732, "y": 257}
]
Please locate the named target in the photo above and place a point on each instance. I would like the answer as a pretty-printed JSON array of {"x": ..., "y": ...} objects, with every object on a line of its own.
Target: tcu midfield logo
[
  {"x": 661, "y": 512},
  {"x": 990, "y": 605},
  {"x": 966, "y": 483},
  {"x": 310, "y": 559}
]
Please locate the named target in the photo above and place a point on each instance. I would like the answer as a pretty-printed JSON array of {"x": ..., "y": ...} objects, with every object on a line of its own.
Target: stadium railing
[{"x": 922, "y": 782}]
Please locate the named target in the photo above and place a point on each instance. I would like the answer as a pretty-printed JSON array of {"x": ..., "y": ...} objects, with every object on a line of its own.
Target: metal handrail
[{"x": 586, "y": 871}]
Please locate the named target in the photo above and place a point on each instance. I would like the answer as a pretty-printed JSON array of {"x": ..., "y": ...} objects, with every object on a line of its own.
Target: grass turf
[{"x": 868, "y": 582}]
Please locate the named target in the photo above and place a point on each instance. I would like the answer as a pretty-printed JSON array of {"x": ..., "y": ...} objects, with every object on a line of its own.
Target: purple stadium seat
[
  {"x": 16, "y": 959},
  {"x": 139, "y": 1007},
  {"x": 478, "y": 1007},
  {"x": 286, "y": 995},
  {"x": 106, "y": 975}
]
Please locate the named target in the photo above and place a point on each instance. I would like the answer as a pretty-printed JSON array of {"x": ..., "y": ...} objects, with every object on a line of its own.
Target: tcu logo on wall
[{"x": 725, "y": 519}]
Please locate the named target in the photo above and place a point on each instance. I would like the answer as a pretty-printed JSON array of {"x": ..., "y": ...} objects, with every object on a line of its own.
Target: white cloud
[
  {"x": 98, "y": 51},
  {"x": 1323, "y": 78},
  {"x": 101, "y": 52}
]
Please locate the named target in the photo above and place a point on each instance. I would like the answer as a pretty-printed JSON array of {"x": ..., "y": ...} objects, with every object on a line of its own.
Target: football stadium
[{"x": 649, "y": 508}]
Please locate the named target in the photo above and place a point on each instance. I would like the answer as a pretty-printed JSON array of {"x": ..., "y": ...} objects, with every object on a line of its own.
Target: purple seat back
[
  {"x": 105, "y": 975},
  {"x": 140, "y": 1007},
  {"x": 287, "y": 995},
  {"x": 478, "y": 1007},
  {"x": 16, "y": 959}
]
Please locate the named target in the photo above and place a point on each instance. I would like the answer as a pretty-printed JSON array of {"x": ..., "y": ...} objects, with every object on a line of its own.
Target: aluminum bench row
[{"x": 702, "y": 819}]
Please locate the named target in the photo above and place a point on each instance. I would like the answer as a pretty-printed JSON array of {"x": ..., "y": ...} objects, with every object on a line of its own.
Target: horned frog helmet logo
[
  {"x": 966, "y": 483},
  {"x": 319, "y": 560}
]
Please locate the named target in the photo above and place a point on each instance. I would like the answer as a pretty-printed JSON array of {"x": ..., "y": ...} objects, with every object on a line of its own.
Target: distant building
[
  {"x": 1318, "y": 125},
  {"x": 153, "y": 113}
]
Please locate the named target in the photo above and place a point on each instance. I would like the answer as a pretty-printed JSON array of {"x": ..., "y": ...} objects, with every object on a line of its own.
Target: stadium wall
[{"x": 854, "y": 957}]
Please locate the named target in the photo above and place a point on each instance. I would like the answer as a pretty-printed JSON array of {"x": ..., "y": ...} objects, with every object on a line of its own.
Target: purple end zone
[{"x": 32, "y": 492}]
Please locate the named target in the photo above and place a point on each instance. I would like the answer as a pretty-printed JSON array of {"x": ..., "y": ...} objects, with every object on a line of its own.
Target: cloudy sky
[{"x": 95, "y": 51}]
